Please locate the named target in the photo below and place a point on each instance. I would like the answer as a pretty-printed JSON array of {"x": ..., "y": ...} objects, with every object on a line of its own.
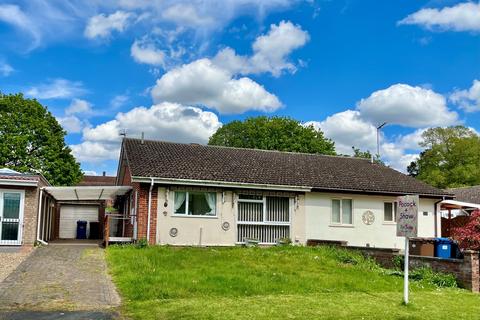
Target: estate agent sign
[
  {"x": 407, "y": 226},
  {"x": 407, "y": 216}
]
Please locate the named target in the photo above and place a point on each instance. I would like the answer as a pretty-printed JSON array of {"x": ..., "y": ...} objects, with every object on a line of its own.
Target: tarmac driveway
[{"x": 60, "y": 280}]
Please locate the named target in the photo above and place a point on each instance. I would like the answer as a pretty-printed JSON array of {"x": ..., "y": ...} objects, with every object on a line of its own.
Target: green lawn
[{"x": 266, "y": 283}]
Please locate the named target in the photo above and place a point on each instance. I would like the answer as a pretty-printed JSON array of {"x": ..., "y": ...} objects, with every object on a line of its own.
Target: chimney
[
  {"x": 104, "y": 173},
  {"x": 143, "y": 137}
]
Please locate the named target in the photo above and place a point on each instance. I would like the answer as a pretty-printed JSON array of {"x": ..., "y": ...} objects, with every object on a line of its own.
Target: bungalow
[{"x": 190, "y": 194}]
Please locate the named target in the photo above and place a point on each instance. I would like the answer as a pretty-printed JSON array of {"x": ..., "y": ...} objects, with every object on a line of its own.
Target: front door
[{"x": 11, "y": 216}]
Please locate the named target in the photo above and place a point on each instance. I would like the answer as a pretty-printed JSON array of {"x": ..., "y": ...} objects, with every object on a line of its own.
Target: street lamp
[{"x": 378, "y": 138}]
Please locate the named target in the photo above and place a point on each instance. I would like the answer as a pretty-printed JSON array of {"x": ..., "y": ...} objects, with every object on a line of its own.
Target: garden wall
[{"x": 466, "y": 270}]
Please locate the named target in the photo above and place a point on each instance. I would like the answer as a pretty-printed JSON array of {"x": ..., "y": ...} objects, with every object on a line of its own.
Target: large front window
[
  {"x": 263, "y": 218},
  {"x": 195, "y": 203}
]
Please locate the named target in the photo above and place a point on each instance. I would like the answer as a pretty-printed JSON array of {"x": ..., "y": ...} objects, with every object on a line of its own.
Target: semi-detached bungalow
[{"x": 190, "y": 194}]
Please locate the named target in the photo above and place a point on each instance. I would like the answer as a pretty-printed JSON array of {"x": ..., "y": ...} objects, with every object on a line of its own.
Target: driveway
[{"x": 63, "y": 280}]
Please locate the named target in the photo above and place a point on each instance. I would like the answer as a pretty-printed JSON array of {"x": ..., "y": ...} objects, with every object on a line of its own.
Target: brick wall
[
  {"x": 30, "y": 215},
  {"x": 142, "y": 211},
  {"x": 466, "y": 270}
]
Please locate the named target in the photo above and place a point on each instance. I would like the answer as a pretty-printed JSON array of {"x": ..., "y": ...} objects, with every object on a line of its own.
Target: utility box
[{"x": 422, "y": 247}]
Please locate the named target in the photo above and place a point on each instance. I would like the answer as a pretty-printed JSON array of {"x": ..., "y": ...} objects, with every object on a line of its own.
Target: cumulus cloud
[
  {"x": 348, "y": 130},
  {"x": 146, "y": 52},
  {"x": 164, "y": 121},
  {"x": 188, "y": 15},
  {"x": 468, "y": 100},
  {"x": 203, "y": 83},
  {"x": 460, "y": 17},
  {"x": 57, "y": 89},
  {"x": 71, "y": 124},
  {"x": 102, "y": 25},
  {"x": 407, "y": 106},
  {"x": 79, "y": 106},
  {"x": 270, "y": 51}
]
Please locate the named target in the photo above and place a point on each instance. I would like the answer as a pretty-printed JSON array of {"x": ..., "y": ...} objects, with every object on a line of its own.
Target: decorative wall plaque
[
  {"x": 173, "y": 232},
  {"x": 368, "y": 217},
  {"x": 225, "y": 225}
]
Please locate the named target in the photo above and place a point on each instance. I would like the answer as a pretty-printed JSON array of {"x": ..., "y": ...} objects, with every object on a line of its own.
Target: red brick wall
[{"x": 142, "y": 212}]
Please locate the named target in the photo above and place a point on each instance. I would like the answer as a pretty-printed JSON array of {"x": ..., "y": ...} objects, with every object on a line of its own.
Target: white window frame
[
  {"x": 265, "y": 221},
  {"x": 186, "y": 215},
  {"x": 20, "y": 216},
  {"x": 394, "y": 212},
  {"x": 333, "y": 223}
]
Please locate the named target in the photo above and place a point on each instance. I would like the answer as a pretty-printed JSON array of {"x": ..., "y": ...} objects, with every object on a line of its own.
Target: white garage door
[{"x": 69, "y": 215}]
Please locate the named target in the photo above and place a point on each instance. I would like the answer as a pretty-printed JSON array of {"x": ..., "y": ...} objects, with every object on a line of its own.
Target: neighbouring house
[
  {"x": 190, "y": 194},
  {"x": 19, "y": 201}
]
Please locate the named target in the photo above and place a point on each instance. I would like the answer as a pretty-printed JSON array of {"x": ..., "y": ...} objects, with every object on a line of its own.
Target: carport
[
  {"x": 450, "y": 222},
  {"x": 60, "y": 208}
]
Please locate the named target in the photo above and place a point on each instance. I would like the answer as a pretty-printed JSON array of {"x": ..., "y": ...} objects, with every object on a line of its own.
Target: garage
[{"x": 70, "y": 214}]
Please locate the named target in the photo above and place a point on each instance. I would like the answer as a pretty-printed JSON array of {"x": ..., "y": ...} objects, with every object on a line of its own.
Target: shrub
[
  {"x": 142, "y": 243},
  {"x": 440, "y": 280},
  {"x": 468, "y": 236}
]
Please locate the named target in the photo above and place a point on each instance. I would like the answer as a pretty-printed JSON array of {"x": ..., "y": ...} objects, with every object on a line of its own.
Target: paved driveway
[{"x": 60, "y": 278}]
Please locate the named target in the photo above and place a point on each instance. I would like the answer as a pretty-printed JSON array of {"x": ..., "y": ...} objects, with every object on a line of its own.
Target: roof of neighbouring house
[
  {"x": 167, "y": 160},
  {"x": 97, "y": 181},
  {"x": 12, "y": 177},
  {"x": 467, "y": 194}
]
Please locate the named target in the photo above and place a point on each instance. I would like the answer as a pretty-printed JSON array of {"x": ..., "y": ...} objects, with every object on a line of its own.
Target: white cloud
[
  {"x": 203, "y": 83},
  {"x": 410, "y": 141},
  {"x": 146, "y": 52},
  {"x": 79, "y": 106},
  {"x": 407, "y": 106},
  {"x": 468, "y": 100},
  {"x": 188, "y": 15},
  {"x": 102, "y": 26},
  {"x": 460, "y": 17},
  {"x": 71, "y": 123},
  {"x": 348, "y": 130},
  {"x": 13, "y": 15},
  {"x": 119, "y": 100},
  {"x": 57, "y": 89},
  {"x": 164, "y": 121},
  {"x": 5, "y": 69},
  {"x": 270, "y": 51}
]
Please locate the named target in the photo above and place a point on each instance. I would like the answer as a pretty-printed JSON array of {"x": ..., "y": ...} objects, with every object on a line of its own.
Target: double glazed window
[
  {"x": 389, "y": 212},
  {"x": 342, "y": 211},
  {"x": 195, "y": 203},
  {"x": 10, "y": 215}
]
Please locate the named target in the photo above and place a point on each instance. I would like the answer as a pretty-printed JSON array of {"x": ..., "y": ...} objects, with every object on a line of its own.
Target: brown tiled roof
[
  {"x": 97, "y": 181},
  {"x": 467, "y": 194},
  {"x": 25, "y": 177},
  {"x": 197, "y": 162}
]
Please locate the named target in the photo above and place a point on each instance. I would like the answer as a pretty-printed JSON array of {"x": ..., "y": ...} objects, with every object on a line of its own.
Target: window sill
[
  {"x": 342, "y": 225},
  {"x": 192, "y": 216},
  {"x": 389, "y": 223}
]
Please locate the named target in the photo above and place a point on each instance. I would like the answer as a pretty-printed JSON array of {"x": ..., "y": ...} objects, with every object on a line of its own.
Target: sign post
[{"x": 407, "y": 226}]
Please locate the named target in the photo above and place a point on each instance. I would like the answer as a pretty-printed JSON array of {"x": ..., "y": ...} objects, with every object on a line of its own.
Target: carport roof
[{"x": 84, "y": 193}]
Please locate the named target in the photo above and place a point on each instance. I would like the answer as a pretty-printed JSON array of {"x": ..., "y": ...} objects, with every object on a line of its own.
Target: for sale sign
[{"x": 407, "y": 216}]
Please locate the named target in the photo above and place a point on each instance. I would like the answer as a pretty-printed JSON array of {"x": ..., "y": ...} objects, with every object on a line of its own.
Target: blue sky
[{"x": 178, "y": 70}]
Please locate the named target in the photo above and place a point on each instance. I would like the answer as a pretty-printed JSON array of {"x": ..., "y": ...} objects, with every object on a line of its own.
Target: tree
[
  {"x": 31, "y": 139},
  {"x": 468, "y": 236},
  {"x": 272, "y": 133},
  {"x": 451, "y": 157}
]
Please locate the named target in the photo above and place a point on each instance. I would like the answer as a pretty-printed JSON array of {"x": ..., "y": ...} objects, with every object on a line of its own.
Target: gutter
[
  {"x": 38, "y": 218},
  {"x": 222, "y": 184},
  {"x": 149, "y": 208}
]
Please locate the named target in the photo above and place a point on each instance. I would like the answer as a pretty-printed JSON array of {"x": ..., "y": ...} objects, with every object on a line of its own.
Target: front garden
[{"x": 279, "y": 282}]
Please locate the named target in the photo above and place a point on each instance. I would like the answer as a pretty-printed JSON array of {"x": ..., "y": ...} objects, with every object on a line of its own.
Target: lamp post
[{"x": 378, "y": 138}]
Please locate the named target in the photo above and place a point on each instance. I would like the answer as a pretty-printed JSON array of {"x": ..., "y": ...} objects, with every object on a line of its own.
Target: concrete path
[{"x": 60, "y": 278}]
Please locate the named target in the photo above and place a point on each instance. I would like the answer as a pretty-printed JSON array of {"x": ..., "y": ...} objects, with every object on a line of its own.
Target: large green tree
[
  {"x": 451, "y": 157},
  {"x": 31, "y": 139},
  {"x": 272, "y": 133}
]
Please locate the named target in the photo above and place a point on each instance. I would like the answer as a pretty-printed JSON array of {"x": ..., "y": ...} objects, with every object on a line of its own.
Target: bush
[
  {"x": 468, "y": 236},
  {"x": 398, "y": 262},
  {"x": 440, "y": 280},
  {"x": 141, "y": 243}
]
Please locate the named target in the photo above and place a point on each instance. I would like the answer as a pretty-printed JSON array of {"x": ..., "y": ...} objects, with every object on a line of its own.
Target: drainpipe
[
  {"x": 39, "y": 215},
  {"x": 149, "y": 209},
  {"x": 435, "y": 215}
]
